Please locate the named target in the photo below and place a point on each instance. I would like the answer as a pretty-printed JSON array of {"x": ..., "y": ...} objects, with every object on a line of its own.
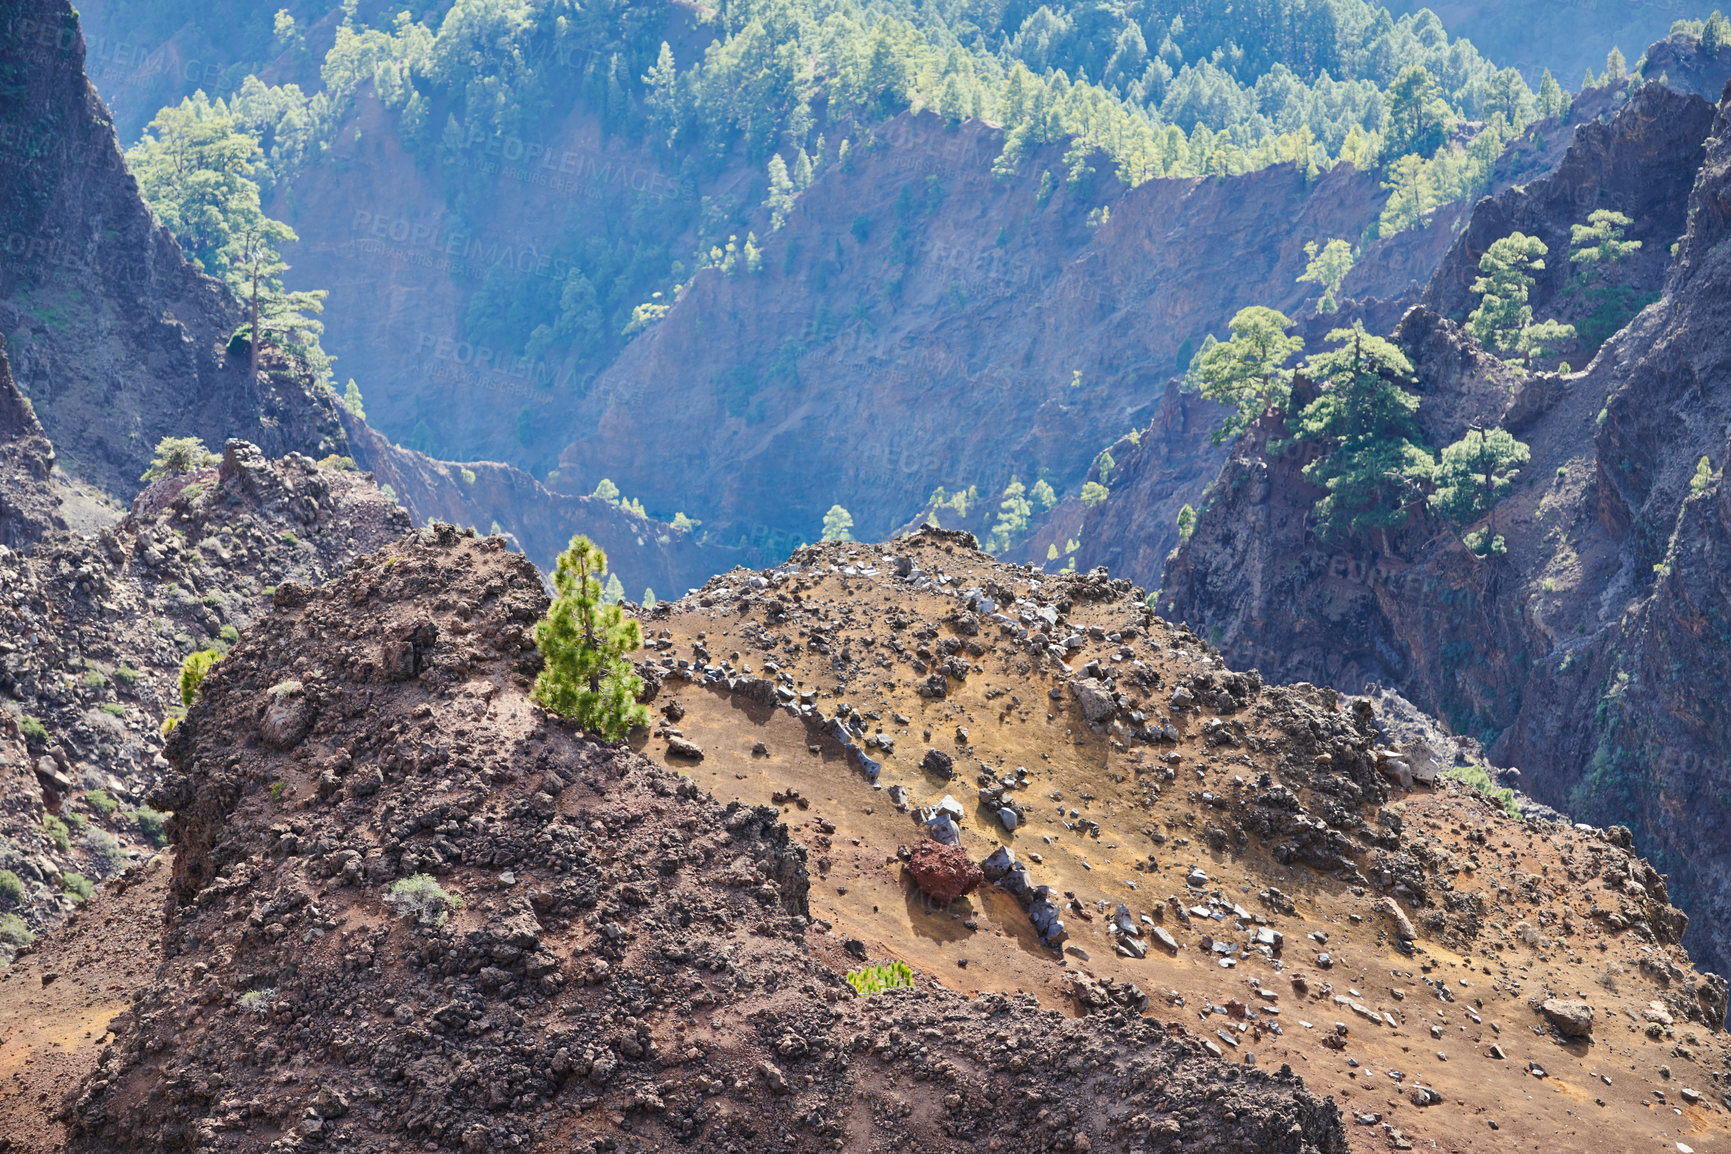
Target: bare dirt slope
[
  {"x": 632, "y": 965},
  {"x": 1271, "y": 793},
  {"x": 58, "y": 1001}
]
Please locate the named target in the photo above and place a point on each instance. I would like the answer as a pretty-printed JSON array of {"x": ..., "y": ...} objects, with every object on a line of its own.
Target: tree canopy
[
  {"x": 1472, "y": 477},
  {"x": 1374, "y": 463},
  {"x": 1328, "y": 266},
  {"x": 1249, "y": 371}
]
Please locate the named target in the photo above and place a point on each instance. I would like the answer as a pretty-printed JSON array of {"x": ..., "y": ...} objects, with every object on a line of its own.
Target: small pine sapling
[{"x": 583, "y": 641}]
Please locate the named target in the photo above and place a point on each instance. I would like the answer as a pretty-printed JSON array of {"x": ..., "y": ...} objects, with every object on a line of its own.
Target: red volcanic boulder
[{"x": 943, "y": 872}]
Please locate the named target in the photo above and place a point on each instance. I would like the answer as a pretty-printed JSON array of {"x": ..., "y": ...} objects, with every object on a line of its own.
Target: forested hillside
[{"x": 502, "y": 196}]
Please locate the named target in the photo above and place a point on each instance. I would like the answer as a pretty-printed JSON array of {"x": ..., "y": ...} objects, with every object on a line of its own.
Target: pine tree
[
  {"x": 1703, "y": 479},
  {"x": 1503, "y": 310},
  {"x": 1375, "y": 459},
  {"x": 1600, "y": 241},
  {"x": 1474, "y": 475},
  {"x": 1013, "y": 513},
  {"x": 837, "y": 524},
  {"x": 781, "y": 192},
  {"x": 1552, "y": 100},
  {"x": 1186, "y": 523},
  {"x": 583, "y": 643},
  {"x": 1327, "y": 267},
  {"x": 1249, "y": 371},
  {"x": 352, "y": 400},
  {"x": 177, "y": 455},
  {"x": 1616, "y": 68},
  {"x": 1043, "y": 494},
  {"x": 1418, "y": 117}
]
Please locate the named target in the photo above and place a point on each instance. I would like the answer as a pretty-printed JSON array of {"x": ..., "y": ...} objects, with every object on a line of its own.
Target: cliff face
[
  {"x": 28, "y": 507},
  {"x": 116, "y": 340},
  {"x": 919, "y": 323},
  {"x": 644, "y": 553},
  {"x": 1641, "y": 164},
  {"x": 1593, "y": 655}
]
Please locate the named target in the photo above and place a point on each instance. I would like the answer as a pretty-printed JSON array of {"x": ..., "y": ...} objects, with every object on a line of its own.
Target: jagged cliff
[
  {"x": 114, "y": 337},
  {"x": 644, "y": 553},
  {"x": 1592, "y": 656}
]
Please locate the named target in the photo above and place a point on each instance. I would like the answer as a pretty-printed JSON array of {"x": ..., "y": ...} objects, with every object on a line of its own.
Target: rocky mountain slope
[
  {"x": 1206, "y": 879},
  {"x": 1642, "y": 157},
  {"x": 117, "y": 341},
  {"x": 994, "y": 333},
  {"x": 114, "y": 337},
  {"x": 95, "y": 627},
  {"x": 1590, "y": 656},
  {"x": 612, "y": 958}
]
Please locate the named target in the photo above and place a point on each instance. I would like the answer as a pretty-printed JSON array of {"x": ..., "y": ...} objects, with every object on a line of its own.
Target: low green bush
[
  {"x": 80, "y": 887},
  {"x": 13, "y": 932},
  {"x": 869, "y": 980},
  {"x": 153, "y": 824},
  {"x": 1475, "y": 776},
  {"x": 11, "y": 887},
  {"x": 421, "y": 897},
  {"x": 57, "y": 832},
  {"x": 101, "y": 802}
]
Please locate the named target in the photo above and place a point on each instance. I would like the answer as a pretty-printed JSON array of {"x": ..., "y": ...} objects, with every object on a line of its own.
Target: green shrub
[
  {"x": 104, "y": 848},
  {"x": 289, "y": 539},
  {"x": 869, "y": 980},
  {"x": 101, "y": 801},
  {"x": 34, "y": 731},
  {"x": 14, "y": 933},
  {"x": 93, "y": 679},
  {"x": 1475, "y": 776},
  {"x": 277, "y": 789},
  {"x": 114, "y": 709},
  {"x": 57, "y": 832},
  {"x": 257, "y": 1001},
  {"x": 11, "y": 887},
  {"x": 153, "y": 824},
  {"x": 192, "y": 674},
  {"x": 422, "y": 898},
  {"x": 229, "y": 634},
  {"x": 81, "y": 888},
  {"x": 126, "y": 675},
  {"x": 74, "y": 821}
]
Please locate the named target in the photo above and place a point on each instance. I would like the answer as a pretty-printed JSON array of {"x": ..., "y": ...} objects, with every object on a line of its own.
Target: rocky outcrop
[
  {"x": 1642, "y": 164},
  {"x": 463, "y": 922},
  {"x": 1592, "y": 656},
  {"x": 1681, "y": 63},
  {"x": 94, "y": 631},
  {"x": 113, "y": 336},
  {"x": 27, "y": 503}
]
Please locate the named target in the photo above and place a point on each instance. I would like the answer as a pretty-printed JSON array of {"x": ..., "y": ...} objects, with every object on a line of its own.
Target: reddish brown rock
[{"x": 943, "y": 872}]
